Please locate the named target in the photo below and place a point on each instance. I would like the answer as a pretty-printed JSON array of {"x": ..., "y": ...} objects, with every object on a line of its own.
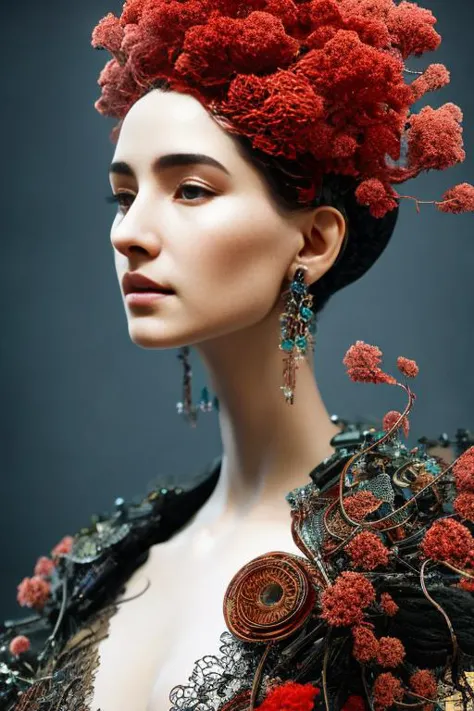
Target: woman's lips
[{"x": 145, "y": 298}]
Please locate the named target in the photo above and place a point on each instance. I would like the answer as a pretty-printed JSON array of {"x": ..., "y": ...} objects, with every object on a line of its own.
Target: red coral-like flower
[
  {"x": 463, "y": 471},
  {"x": 108, "y": 34},
  {"x": 449, "y": 541},
  {"x": 33, "y": 592},
  {"x": 391, "y": 652},
  {"x": 464, "y": 505},
  {"x": 367, "y": 551},
  {"x": 343, "y": 603},
  {"x": 408, "y": 367},
  {"x": 433, "y": 78},
  {"x": 423, "y": 682},
  {"x": 63, "y": 547},
  {"x": 435, "y": 138},
  {"x": 366, "y": 644},
  {"x": 19, "y": 645},
  {"x": 379, "y": 197},
  {"x": 412, "y": 29},
  {"x": 290, "y": 696},
  {"x": 390, "y": 420},
  {"x": 359, "y": 505},
  {"x": 387, "y": 689},
  {"x": 388, "y": 604},
  {"x": 44, "y": 567},
  {"x": 362, "y": 362},
  {"x": 458, "y": 199}
]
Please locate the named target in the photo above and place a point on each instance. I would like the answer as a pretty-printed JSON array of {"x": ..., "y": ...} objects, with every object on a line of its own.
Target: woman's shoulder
[{"x": 83, "y": 576}]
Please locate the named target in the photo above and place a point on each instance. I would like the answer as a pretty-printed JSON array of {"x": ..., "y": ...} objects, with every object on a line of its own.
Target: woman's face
[{"x": 210, "y": 233}]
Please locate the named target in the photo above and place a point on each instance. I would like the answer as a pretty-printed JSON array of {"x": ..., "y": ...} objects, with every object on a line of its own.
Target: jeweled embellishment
[{"x": 269, "y": 598}]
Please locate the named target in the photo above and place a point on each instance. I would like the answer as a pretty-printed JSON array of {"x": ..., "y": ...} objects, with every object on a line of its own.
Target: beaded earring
[
  {"x": 298, "y": 330},
  {"x": 186, "y": 408}
]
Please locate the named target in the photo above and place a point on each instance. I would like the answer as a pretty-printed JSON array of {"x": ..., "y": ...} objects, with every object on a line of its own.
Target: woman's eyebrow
[{"x": 170, "y": 161}]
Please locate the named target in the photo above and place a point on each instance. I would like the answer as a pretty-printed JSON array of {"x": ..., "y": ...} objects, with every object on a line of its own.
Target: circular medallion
[{"x": 270, "y": 597}]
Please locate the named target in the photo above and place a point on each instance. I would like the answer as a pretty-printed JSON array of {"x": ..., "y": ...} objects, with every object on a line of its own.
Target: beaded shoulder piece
[{"x": 48, "y": 659}]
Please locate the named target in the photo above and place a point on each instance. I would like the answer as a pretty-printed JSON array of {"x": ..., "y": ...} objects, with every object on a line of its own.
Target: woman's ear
[{"x": 322, "y": 231}]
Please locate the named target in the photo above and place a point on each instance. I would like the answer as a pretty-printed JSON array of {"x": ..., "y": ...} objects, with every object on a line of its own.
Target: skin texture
[{"x": 228, "y": 255}]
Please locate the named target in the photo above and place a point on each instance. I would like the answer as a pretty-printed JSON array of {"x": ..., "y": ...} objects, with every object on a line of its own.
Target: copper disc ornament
[{"x": 269, "y": 598}]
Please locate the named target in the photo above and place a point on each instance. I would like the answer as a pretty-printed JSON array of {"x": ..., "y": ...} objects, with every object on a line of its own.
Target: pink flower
[
  {"x": 44, "y": 567},
  {"x": 33, "y": 592},
  {"x": 19, "y": 645},
  {"x": 391, "y": 418},
  {"x": 362, "y": 362},
  {"x": 63, "y": 547},
  {"x": 408, "y": 367}
]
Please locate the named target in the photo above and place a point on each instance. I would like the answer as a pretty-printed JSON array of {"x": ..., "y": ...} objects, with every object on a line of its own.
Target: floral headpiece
[{"x": 320, "y": 81}]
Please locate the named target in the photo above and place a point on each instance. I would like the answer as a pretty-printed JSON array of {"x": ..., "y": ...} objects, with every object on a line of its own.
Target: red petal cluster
[
  {"x": 359, "y": 505},
  {"x": 19, "y": 645},
  {"x": 449, "y": 541},
  {"x": 423, "y": 682},
  {"x": 320, "y": 80},
  {"x": 63, "y": 547},
  {"x": 33, "y": 592},
  {"x": 458, "y": 199},
  {"x": 343, "y": 603},
  {"x": 409, "y": 368},
  {"x": 391, "y": 652},
  {"x": 463, "y": 471},
  {"x": 367, "y": 551},
  {"x": 464, "y": 505},
  {"x": 366, "y": 644},
  {"x": 388, "y": 604},
  {"x": 44, "y": 567},
  {"x": 362, "y": 362},
  {"x": 387, "y": 690},
  {"x": 390, "y": 420},
  {"x": 290, "y": 696}
]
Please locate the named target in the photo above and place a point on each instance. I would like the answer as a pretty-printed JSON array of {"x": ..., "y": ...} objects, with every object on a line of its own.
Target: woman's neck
[{"x": 269, "y": 446}]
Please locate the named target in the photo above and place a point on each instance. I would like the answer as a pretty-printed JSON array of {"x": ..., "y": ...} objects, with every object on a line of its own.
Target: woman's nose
[{"x": 134, "y": 234}]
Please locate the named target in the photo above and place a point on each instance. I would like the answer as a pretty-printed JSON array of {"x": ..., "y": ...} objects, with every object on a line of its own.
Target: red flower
[
  {"x": 108, "y": 34},
  {"x": 291, "y": 697},
  {"x": 433, "y": 78},
  {"x": 362, "y": 362},
  {"x": 458, "y": 199},
  {"x": 464, "y": 505},
  {"x": 367, "y": 551},
  {"x": 19, "y": 645},
  {"x": 343, "y": 603},
  {"x": 449, "y": 541},
  {"x": 63, "y": 547},
  {"x": 359, "y": 505},
  {"x": 387, "y": 689},
  {"x": 44, "y": 567},
  {"x": 354, "y": 703},
  {"x": 391, "y": 652},
  {"x": 412, "y": 29},
  {"x": 435, "y": 138},
  {"x": 388, "y": 604},
  {"x": 408, "y": 367},
  {"x": 33, "y": 592},
  {"x": 463, "y": 471},
  {"x": 423, "y": 682},
  {"x": 379, "y": 197},
  {"x": 366, "y": 644},
  {"x": 390, "y": 420}
]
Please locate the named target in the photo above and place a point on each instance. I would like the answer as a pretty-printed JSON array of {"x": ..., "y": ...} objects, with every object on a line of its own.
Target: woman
[{"x": 255, "y": 160}]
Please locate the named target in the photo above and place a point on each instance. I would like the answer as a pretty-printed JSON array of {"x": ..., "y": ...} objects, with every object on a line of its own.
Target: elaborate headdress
[{"x": 320, "y": 82}]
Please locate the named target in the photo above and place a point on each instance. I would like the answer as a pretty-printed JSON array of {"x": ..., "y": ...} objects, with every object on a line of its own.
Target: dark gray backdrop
[{"x": 87, "y": 415}]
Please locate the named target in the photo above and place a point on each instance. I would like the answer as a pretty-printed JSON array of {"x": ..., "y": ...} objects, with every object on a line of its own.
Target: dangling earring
[
  {"x": 186, "y": 407},
  {"x": 298, "y": 330}
]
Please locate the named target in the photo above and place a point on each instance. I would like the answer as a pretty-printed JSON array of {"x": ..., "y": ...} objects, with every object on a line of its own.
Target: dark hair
[{"x": 366, "y": 236}]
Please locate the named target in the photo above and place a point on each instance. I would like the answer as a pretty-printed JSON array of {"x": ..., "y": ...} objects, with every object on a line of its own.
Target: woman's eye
[
  {"x": 194, "y": 192},
  {"x": 196, "y": 188}
]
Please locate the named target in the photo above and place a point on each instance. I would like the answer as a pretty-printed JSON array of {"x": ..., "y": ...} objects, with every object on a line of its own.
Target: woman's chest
[{"x": 155, "y": 639}]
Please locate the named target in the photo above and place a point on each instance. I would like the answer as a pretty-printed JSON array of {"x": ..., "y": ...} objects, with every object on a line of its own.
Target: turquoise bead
[
  {"x": 298, "y": 288},
  {"x": 301, "y": 342},
  {"x": 288, "y": 345},
  {"x": 306, "y": 314}
]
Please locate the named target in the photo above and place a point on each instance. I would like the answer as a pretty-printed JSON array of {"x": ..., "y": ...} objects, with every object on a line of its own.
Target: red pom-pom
[
  {"x": 463, "y": 471},
  {"x": 391, "y": 652},
  {"x": 412, "y": 29},
  {"x": 33, "y": 592},
  {"x": 390, "y": 420},
  {"x": 387, "y": 689},
  {"x": 388, "y": 604},
  {"x": 343, "y": 603},
  {"x": 408, "y": 367},
  {"x": 464, "y": 506},
  {"x": 108, "y": 34},
  {"x": 63, "y": 547},
  {"x": 362, "y": 362},
  {"x": 379, "y": 197},
  {"x": 367, "y": 551},
  {"x": 458, "y": 199},
  {"x": 291, "y": 697},
  {"x": 19, "y": 645},
  {"x": 449, "y": 541},
  {"x": 435, "y": 138},
  {"x": 366, "y": 644},
  {"x": 423, "y": 682},
  {"x": 44, "y": 567},
  {"x": 433, "y": 78},
  {"x": 358, "y": 506}
]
